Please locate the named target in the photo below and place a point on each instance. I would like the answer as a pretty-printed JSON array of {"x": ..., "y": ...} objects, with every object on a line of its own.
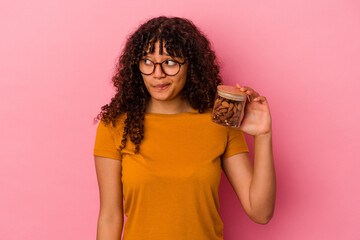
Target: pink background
[{"x": 56, "y": 62}]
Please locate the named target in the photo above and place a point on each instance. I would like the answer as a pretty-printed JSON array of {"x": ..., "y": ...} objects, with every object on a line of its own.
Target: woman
[{"x": 157, "y": 148}]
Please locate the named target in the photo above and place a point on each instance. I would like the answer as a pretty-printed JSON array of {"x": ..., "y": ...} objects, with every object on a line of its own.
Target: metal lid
[{"x": 231, "y": 92}]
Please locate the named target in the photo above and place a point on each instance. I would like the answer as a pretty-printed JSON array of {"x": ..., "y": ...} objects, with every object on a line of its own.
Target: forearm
[
  {"x": 109, "y": 229},
  {"x": 263, "y": 183}
]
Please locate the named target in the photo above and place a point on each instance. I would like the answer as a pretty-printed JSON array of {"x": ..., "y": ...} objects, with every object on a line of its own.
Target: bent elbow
[{"x": 262, "y": 220}]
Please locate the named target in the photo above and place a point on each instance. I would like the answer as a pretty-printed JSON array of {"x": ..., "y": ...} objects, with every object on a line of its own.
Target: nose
[{"x": 158, "y": 73}]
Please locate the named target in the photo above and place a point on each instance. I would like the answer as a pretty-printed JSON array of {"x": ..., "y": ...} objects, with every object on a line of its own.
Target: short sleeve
[
  {"x": 236, "y": 143},
  {"x": 105, "y": 142}
]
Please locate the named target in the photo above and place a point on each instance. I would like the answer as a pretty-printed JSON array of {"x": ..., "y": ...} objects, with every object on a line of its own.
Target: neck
[{"x": 173, "y": 106}]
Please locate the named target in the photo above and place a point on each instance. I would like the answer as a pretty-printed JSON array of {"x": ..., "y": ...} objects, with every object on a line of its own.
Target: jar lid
[{"x": 231, "y": 92}]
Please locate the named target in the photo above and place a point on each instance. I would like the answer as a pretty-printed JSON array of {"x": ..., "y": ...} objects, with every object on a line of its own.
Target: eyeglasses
[{"x": 169, "y": 67}]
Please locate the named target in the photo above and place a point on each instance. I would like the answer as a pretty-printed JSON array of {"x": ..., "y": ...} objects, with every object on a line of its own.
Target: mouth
[{"x": 162, "y": 86}]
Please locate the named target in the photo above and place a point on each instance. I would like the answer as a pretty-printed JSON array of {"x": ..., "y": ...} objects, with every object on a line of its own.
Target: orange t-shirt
[{"x": 171, "y": 187}]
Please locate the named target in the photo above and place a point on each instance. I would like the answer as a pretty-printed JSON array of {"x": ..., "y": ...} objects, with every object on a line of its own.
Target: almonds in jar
[{"x": 229, "y": 106}]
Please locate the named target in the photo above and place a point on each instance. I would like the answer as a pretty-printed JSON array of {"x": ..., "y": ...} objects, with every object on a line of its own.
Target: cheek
[
  {"x": 145, "y": 80},
  {"x": 182, "y": 78},
  {"x": 183, "y": 81},
  {"x": 185, "y": 74}
]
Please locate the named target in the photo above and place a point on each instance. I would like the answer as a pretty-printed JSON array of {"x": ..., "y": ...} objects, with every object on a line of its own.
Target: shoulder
[
  {"x": 115, "y": 127},
  {"x": 203, "y": 121},
  {"x": 205, "y": 115}
]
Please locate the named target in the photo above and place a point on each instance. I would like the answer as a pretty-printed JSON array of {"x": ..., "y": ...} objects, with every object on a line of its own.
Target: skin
[
  {"x": 167, "y": 101},
  {"x": 111, "y": 216},
  {"x": 254, "y": 185}
]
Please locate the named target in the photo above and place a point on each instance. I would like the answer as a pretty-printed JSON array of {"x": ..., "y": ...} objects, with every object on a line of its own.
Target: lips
[{"x": 161, "y": 86}]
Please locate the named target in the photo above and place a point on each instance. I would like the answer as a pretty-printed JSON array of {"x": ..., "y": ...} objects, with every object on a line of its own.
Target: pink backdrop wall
[{"x": 56, "y": 61}]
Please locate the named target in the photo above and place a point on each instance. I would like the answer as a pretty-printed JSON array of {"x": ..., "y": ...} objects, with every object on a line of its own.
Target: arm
[
  {"x": 255, "y": 186},
  {"x": 110, "y": 221}
]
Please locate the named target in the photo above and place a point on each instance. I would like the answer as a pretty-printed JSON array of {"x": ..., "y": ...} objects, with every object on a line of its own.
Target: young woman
[{"x": 157, "y": 148}]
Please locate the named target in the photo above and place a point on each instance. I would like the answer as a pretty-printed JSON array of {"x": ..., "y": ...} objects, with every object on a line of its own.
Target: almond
[{"x": 225, "y": 104}]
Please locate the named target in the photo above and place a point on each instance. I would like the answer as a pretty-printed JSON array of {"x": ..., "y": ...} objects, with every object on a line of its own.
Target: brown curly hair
[{"x": 181, "y": 38}]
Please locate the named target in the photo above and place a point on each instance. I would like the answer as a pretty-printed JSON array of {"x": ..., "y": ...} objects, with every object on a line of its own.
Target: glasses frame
[{"x": 160, "y": 63}]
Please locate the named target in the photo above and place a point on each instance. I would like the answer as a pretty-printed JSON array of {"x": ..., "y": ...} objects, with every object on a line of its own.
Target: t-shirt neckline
[{"x": 193, "y": 111}]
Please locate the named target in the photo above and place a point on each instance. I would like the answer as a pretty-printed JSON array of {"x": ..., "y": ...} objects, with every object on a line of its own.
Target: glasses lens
[
  {"x": 146, "y": 66},
  {"x": 170, "y": 67}
]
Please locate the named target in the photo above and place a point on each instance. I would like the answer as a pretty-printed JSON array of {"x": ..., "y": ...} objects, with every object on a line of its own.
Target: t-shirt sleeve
[
  {"x": 105, "y": 142},
  {"x": 236, "y": 143}
]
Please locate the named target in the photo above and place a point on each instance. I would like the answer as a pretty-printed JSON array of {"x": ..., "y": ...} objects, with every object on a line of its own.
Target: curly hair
[{"x": 181, "y": 38}]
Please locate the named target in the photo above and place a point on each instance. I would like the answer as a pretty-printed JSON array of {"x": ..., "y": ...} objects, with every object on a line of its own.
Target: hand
[{"x": 257, "y": 118}]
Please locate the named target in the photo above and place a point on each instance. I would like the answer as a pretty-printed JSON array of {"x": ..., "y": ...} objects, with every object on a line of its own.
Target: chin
[
  {"x": 164, "y": 95},
  {"x": 161, "y": 97}
]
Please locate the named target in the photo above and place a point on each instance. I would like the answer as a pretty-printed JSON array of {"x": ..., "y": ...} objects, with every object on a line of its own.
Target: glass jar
[{"x": 229, "y": 106}]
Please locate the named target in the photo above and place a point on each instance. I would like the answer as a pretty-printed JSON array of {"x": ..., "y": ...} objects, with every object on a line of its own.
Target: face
[{"x": 160, "y": 86}]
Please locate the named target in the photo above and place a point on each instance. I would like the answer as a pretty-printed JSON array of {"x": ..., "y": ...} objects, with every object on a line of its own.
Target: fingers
[
  {"x": 253, "y": 95},
  {"x": 260, "y": 99},
  {"x": 251, "y": 92}
]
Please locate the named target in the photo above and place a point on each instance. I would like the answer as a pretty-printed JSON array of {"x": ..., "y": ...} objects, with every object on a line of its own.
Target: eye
[
  {"x": 170, "y": 62},
  {"x": 148, "y": 62}
]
